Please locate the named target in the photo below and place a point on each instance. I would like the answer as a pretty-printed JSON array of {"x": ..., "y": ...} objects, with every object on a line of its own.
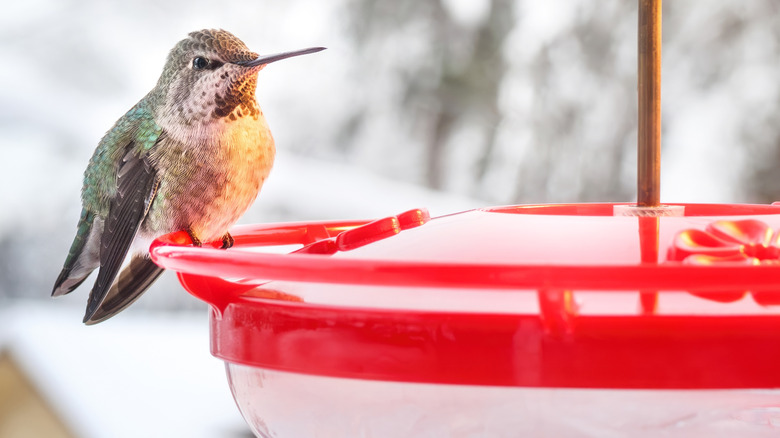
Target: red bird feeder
[{"x": 532, "y": 320}]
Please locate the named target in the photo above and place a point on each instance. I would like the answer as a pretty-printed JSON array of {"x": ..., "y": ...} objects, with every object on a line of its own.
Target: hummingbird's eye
[{"x": 199, "y": 63}]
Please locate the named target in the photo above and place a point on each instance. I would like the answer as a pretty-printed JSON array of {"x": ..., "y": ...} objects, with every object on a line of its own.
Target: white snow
[
  {"x": 311, "y": 189},
  {"x": 137, "y": 376}
]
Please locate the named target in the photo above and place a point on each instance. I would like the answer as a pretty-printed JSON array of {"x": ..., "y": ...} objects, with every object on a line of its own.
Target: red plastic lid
[{"x": 547, "y": 296}]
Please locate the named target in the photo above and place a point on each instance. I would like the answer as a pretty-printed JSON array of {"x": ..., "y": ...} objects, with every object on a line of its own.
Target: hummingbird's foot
[
  {"x": 195, "y": 240},
  {"x": 227, "y": 241}
]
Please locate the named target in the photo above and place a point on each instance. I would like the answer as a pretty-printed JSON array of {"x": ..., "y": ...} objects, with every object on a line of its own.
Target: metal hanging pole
[{"x": 649, "y": 79}]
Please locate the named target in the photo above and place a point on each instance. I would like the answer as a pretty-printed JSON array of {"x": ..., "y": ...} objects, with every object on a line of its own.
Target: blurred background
[{"x": 445, "y": 104}]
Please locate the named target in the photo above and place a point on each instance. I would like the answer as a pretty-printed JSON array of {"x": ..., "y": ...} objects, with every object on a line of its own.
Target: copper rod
[{"x": 649, "y": 89}]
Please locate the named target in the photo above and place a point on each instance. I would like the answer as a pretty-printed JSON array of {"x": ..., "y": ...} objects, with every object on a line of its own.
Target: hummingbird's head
[{"x": 212, "y": 76}]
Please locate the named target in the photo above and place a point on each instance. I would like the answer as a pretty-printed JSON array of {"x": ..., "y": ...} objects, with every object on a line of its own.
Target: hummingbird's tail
[
  {"x": 84, "y": 254},
  {"x": 133, "y": 281}
]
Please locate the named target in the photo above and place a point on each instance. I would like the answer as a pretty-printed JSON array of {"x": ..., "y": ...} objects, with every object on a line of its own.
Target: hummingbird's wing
[
  {"x": 136, "y": 187},
  {"x": 83, "y": 256},
  {"x": 133, "y": 281}
]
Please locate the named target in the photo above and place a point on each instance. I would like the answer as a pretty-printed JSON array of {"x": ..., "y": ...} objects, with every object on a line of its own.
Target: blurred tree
[
  {"x": 722, "y": 95},
  {"x": 536, "y": 101},
  {"x": 452, "y": 75},
  {"x": 759, "y": 35},
  {"x": 582, "y": 114}
]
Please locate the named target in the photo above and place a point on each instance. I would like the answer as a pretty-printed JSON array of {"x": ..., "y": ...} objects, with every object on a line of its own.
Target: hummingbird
[{"x": 191, "y": 155}]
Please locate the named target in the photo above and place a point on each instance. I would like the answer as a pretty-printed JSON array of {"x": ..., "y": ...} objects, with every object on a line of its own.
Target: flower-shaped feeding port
[{"x": 744, "y": 242}]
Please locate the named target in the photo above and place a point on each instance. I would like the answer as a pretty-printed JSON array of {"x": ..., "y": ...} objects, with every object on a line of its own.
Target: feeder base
[{"x": 278, "y": 404}]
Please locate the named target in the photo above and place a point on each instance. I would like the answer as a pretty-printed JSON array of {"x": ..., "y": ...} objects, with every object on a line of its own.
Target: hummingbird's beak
[{"x": 267, "y": 59}]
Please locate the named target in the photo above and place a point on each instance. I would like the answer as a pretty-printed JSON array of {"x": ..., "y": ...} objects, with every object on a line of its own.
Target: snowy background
[{"x": 445, "y": 104}]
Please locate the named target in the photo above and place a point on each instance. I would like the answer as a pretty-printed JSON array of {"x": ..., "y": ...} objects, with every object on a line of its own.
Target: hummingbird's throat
[{"x": 238, "y": 100}]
